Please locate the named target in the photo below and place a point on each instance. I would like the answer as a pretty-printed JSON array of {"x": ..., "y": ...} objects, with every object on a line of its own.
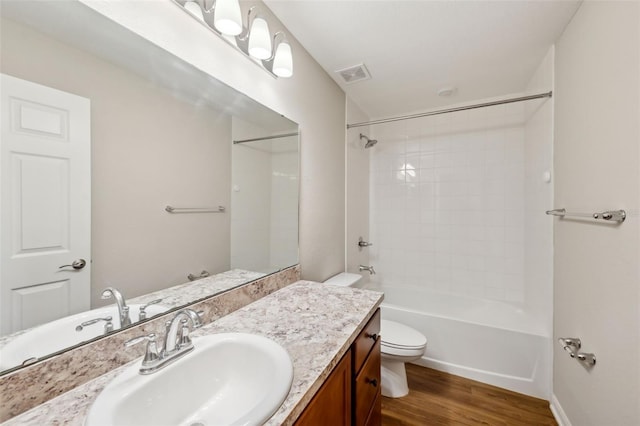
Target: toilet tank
[{"x": 344, "y": 279}]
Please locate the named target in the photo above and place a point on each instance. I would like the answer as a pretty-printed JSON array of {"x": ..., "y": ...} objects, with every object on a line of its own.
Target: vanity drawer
[
  {"x": 365, "y": 341},
  {"x": 367, "y": 386}
]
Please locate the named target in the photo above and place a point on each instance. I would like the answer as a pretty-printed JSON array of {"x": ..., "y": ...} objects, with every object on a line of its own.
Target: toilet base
[{"x": 394, "y": 379}]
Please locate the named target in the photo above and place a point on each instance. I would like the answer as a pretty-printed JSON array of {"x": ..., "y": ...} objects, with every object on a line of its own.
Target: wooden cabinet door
[{"x": 332, "y": 404}]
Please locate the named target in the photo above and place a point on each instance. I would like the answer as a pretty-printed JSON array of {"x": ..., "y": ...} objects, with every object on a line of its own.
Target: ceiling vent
[{"x": 354, "y": 74}]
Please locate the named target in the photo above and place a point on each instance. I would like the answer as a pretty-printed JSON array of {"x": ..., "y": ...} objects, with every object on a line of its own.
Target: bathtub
[{"x": 489, "y": 341}]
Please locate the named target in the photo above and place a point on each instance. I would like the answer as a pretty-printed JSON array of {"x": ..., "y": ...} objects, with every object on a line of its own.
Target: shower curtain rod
[
  {"x": 265, "y": 138},
  {"x": 448, "y": 110}
]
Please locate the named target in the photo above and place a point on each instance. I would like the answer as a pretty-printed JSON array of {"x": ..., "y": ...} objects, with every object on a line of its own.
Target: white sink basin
[
  {"x": 60, "y": 334},
  {"x": 228, "y": 379}
]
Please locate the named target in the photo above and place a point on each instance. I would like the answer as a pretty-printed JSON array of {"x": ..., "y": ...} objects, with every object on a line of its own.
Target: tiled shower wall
[{"x": 447, "y": 203}]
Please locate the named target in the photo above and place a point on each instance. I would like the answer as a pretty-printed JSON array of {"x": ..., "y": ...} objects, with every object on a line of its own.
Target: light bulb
[
  {"x": 194, "y": 9},
  {"x": 283, "y": 61},
  {"x": 260, "y": 39},
  {"x": 227, "y": 17}
]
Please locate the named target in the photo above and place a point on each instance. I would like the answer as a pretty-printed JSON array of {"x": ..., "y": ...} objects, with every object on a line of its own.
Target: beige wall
[
  {"x": 597, "y": 167},
  {"x": 357, "y": 192},
  {"x": 310, "y": 98},
  {"x": 149, "y": 149}
]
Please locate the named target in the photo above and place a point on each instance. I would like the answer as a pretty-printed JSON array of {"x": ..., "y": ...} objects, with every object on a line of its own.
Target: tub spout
[{"x": 367, "y": 268}]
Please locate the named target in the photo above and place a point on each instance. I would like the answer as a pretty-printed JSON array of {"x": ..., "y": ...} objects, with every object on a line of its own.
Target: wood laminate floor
[{"x": 437, "y": 398}]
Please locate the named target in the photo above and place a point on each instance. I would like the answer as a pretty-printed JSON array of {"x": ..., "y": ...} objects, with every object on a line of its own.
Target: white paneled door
[{"x": 45, "y": 204}]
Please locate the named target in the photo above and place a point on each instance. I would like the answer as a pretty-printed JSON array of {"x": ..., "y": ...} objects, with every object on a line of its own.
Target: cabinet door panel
[
  {"x": 332, "y": 404},
  {"x": 375, "y": 415}
]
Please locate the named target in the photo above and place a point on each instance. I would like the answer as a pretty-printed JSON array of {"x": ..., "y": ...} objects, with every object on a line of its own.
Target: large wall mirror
[{"x": 124, "y": 167}]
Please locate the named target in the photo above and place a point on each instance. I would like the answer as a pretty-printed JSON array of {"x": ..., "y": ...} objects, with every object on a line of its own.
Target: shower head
[{"x": 370, "y": 142}]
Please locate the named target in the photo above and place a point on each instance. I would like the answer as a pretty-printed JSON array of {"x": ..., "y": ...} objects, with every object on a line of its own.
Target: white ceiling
[{"x": 414, "y": 48}]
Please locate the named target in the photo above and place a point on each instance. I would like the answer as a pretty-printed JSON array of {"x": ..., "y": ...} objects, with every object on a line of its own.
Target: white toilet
[{"x": 399, "y": 344}]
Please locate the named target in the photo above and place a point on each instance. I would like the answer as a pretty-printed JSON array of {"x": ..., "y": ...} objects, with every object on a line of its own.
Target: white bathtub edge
[
  {"x": 513, "y": 383},
  {"x": 558, "y": 412}
]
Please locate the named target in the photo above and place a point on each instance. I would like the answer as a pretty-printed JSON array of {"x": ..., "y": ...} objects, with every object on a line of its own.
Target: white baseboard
[{"x": 558, "y": 412}]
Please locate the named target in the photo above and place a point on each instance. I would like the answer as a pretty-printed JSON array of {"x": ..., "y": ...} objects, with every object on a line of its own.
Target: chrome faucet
[
  {"x": 176, "y": 342},
  {"x": 367, "y": 268},
  {"x": 123, "y": 309},
  {"x": 177, "y": 337}
]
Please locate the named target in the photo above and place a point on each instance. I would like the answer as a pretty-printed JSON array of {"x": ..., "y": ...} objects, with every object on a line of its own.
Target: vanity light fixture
[
  {"x": 259, "y": 39},
  {"x": 228, "y": 18},
  {"x": 194, "y": 9},
  {"x": 224, "y": 17},
  {"x": 281, "y": 62}
]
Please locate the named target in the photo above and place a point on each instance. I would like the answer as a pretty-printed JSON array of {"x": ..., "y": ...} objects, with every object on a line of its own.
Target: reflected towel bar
[
  {"x": 612, "y": 215},
  {"x": 219, "y": 209}
]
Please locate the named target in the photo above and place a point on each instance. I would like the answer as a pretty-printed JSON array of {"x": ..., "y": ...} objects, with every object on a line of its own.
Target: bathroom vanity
[
  {"x": 330, "y": 333},
  {"x": 351, "y": 394}
]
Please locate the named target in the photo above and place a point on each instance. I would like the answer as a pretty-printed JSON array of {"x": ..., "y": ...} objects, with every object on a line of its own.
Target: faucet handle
[
  {"x": 184, "y": 339},
  {"x": 151, "y": 353},
  {"x": 143, "y": 314},
  {"x": 108, "y": 326},
  {"x": 126, "y": 319},
  {"x": 363, "y": 243}
]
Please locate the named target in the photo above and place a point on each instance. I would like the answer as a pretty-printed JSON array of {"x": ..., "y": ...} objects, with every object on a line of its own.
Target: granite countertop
[
  {"x": 315, "y": 323},
  {"x": 191, "y": 291}
]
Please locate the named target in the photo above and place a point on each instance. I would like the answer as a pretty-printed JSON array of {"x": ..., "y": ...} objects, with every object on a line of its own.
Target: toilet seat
[{"x": 400, "y": 340}]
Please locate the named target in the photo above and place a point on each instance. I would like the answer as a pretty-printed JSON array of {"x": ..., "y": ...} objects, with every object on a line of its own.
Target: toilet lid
[{"x": 396, "y": 335}]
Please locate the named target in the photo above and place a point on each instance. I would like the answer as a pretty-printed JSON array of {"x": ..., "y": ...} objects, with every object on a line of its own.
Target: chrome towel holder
[
  {"x": 572, "y": 345},
  {"x": 219, "y": 209},
  {"x": 609, "y": 215}
]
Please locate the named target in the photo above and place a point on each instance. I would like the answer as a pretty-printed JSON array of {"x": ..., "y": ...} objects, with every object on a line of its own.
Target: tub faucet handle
[{"x": 363, "y": 243}]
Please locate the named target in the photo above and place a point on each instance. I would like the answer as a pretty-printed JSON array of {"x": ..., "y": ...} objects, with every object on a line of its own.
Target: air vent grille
[{"x": 354, "y": 74}]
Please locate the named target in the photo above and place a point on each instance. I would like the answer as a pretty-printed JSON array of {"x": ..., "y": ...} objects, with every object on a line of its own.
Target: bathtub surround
[
  {"x": 38, "y": 383},
  {"x": 538, "y": 198},
  {"x": 447, "y": 203},
  {"x": 457, "y": 207},
  {"x": 597, "y": 166},
  {"x": 315, "y": 323}
]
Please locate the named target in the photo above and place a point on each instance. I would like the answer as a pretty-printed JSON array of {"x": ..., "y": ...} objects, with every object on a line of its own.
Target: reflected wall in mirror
[
  {"x": 264, "y": 179},
  {"x": 159, "y": 133}
]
